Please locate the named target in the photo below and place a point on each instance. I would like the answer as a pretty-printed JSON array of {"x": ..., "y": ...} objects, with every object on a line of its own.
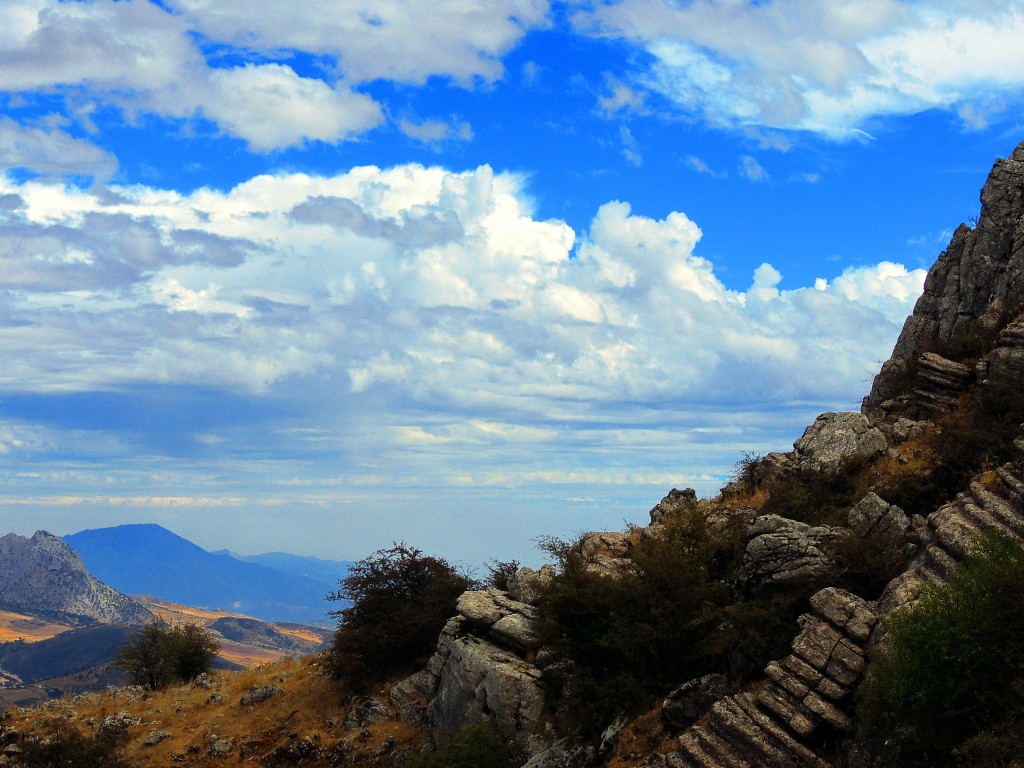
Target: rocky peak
[
  {"x": 45, "y": 575},
  {"x": 51, "y": 551},
  {"x": 974, "y": 289}
]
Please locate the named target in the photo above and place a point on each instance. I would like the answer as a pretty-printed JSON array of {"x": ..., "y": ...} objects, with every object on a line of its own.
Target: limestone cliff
[
  {"x": 973, "y": 291},
  {"x": 45, "y": 575}
]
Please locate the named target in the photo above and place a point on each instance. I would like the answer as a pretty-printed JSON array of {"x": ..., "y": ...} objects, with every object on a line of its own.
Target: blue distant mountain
[{"x": 147, "y": 559}]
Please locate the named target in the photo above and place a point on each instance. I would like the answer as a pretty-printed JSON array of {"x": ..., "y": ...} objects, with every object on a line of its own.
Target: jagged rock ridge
[
  {"x": 43, "y": 574},
  {"x": 974, "y": 289}
]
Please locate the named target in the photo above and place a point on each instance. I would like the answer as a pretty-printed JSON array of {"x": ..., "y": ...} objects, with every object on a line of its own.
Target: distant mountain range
[{"x": 147, "y": 559}]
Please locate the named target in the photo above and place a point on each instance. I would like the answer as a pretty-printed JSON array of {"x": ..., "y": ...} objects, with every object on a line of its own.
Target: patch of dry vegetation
[{"x": 306, "y": 721}]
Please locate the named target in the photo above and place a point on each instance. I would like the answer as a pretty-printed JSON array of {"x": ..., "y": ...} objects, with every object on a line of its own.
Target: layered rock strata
[
  {"x": 993, "y": 502},
  {"x": 807, "y": 695}
]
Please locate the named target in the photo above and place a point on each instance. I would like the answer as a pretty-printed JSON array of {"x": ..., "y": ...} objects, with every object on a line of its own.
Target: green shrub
[
  {"x": 399, "y": 601},
  {"x": 477, "y": 745},
  {"x": 160, "y": 654},
  {"x": 818, "y": 496},
  {"x": 955, "y": 666},
  {"x": 620, "y": 641}
]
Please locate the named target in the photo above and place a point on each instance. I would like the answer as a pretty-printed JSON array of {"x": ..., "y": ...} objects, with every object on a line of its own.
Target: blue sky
[{"x": 320, "y": 277}]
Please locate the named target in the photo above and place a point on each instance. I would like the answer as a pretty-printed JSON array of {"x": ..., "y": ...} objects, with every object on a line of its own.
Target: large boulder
[
  {"x": 786, "y": 553},
  {"x": 482, "y": 670},
  {"x": 478, "y": 681},
  {"x": 835, "y": 438},
  {"x": 527, "y": 585},
  {"x": 884, "y": 524},
  {"x": 494, "y": 614},
  {"x": 673, "y": 504}
]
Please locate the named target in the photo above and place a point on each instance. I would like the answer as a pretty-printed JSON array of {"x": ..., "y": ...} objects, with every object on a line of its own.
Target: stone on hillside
[
  {"x": 1007, "y": 359},
  {"x": 155, "y": 737},
  {"x": 837, "y": 437},
  {"x": 492, "y": 611},
  {"x": 260, "y": 693},
  {"x": 220, "y": 748},
  {"x": 675, "y": 502},
  {"x": 603, "y": 551},
  {"x": 117, "y": 724},
  {"x": 563, "y": 754},
  {"x": 367, "y": 711},
  {"x": 478, "y": 681},
  {"x": 526, "y": 585},
  {"x": 884, "y": 524},
  {"x": 783, "y": 552},
  {"x": 688, "y": 703}
]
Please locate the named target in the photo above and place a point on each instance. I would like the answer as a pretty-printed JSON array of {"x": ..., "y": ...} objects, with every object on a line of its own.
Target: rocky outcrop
[
  {"x": 45, "y": 575},
  {"x": 482, "y": 669},
  {"x": 688, "y": 703},
  {"x": 526, "y": 584},
  {"x": 835, "y": 438},
  {"x": 976, "y": 287},
  {"x": 1007, "y": 359},
  {"x": 993, "y": 502},
  {"x": 785, "y": 553},
  {"x": 883, "y": 524},
  {"x": 675, "y": 502},
  {"x": 806, "y": 699}
]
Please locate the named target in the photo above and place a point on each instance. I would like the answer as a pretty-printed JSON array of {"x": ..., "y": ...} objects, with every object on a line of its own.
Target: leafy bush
[
  {"x": 954, "y": 671},
  {"x": 620, "y": 641},
  {"x": 477, "y": 745},
  {"x": 160, "y": 654},
  {"x": 67, "y": 747},
  {"x": 500, "y": 573},
  {"x": 399, "y": 601}
]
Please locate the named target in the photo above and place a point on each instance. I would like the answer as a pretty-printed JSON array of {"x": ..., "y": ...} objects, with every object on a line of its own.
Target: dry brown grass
[
  {"x": 641, "y": 737},
  {"x": 15, "y": 626},
  {"x": 311, "y": 706}
]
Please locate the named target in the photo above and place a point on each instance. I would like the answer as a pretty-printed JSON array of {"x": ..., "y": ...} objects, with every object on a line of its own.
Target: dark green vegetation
[
  {"x": 620, "y": 641},
  {"x": 67, "y": 747},
  {"x": 478, "y": 745},
  {"x": 399, "y": 601},
  {"x": 160, "y": 654},
  {"x": 950, "y": 688}
]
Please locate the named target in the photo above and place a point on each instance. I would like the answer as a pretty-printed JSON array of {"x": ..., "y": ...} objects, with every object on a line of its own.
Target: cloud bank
[
  {"x": 180, "y": 63},
  {"x": 822, "y": 67},
  {"x": 432, "y": 296}
]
